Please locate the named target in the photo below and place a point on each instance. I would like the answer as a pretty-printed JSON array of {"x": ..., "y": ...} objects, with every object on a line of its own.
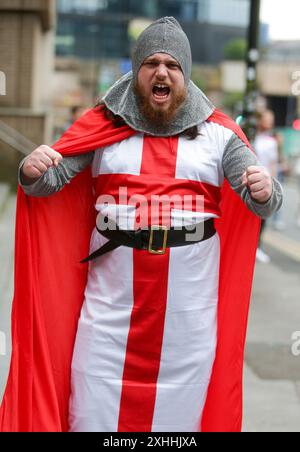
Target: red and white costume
[
  {"x": 146, "y": 338},
  {"x": 146, "y": 355}
]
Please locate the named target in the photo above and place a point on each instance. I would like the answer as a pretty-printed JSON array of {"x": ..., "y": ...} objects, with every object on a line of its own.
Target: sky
[{"x": 283, "y": 18}]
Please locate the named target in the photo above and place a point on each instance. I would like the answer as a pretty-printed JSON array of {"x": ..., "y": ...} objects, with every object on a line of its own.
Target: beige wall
[
  {"x": 16, "y": 50},
  {"x": 233, "y": 76},
  {"x": 273, "y": 78},
  {"x": 44, "y": 8},
  {"x": 27, "y": 60},
  {"x": 277, "y": 79}
]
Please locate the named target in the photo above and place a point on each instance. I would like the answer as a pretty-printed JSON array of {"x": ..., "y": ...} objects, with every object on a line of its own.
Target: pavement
[
  {"x": 7, "y": 221},
  {"x": 272, "y": 372}
]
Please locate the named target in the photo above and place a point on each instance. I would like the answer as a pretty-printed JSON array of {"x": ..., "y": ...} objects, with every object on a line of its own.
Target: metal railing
[{"x": 15, "y": 139}]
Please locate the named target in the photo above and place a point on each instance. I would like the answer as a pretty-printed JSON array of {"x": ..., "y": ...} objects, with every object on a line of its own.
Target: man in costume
[{"x": 159, "y": 341}]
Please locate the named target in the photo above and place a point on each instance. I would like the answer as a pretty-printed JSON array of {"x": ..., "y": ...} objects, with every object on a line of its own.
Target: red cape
[{"x": 52, "y": 236}]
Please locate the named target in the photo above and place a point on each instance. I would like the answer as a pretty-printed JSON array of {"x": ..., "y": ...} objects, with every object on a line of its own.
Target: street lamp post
[{"x": 249, "y": 122}]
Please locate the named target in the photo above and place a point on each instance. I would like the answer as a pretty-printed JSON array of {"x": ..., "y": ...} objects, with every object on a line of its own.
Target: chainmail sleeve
[
  {"x": 54, "y": 179},
  {"x": 237, "y": 158}
]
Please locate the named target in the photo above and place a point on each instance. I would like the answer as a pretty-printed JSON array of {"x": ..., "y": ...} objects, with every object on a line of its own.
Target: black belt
[{"x": 154, "y": 239}]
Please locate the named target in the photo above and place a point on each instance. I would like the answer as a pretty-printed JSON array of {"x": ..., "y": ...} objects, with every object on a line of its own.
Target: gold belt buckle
[{"x": 158, "y": 228}]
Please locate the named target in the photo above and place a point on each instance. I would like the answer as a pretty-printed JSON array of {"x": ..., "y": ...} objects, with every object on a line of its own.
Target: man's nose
[{"x": 162, "y": 71}]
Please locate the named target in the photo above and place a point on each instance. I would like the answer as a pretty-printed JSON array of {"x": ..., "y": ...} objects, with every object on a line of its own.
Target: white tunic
[{"x": 146, "y": 338}]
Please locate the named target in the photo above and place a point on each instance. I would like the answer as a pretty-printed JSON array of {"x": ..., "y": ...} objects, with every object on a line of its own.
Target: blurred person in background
[
  {"x": 266, "y": 146},
  {"x": 161, "y": 331},
  {"x": 75, "y": 112},
  {"x": 283, "y": 171}
]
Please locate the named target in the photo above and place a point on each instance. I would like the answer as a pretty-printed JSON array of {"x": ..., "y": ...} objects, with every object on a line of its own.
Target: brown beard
[{"x": 156, "y": 116}]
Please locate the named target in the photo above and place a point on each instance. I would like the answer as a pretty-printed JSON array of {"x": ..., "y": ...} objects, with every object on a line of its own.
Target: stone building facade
[{"x": 26, "y": 66}]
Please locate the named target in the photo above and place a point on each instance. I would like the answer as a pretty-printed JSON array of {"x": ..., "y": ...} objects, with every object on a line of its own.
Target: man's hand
[
  {"x": 39, "y": 161},
  {"x": 259, "y": 182}
]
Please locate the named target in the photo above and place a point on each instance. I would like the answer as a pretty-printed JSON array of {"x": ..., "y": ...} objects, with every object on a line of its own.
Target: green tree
[
  {"x": 236, "y": 49},
  {"x": 233, "y": 101}
]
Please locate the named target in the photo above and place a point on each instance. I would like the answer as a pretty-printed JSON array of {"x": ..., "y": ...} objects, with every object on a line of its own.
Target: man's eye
[{"x": 173, "y": 66}]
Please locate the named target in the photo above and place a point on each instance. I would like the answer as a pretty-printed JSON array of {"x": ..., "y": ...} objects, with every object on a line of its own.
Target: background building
[
  {"x": 99, "y": 28},
  {"x": 224, "y": 12},
  {"x": 26, "y": 62}
]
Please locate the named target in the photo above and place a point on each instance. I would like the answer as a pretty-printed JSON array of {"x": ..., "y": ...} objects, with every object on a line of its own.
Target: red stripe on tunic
[
  {"x": 144, "y": 344},
  {"x": 150, "y": 286}
]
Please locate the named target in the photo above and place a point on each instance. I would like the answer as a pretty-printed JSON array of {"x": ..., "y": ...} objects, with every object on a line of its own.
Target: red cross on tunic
[
  {"x": 150, "y": 277},
  {"x": 158, "y": 178}
]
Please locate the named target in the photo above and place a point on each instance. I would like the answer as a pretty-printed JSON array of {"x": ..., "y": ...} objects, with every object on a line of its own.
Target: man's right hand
[{"x": 39, "y": 161}]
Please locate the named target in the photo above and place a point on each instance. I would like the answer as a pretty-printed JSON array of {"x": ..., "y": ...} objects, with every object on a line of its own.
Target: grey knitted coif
[{"x": 163, "y": 36}]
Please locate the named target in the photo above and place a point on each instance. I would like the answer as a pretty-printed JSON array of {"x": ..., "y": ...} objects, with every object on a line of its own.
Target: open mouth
[{"x": 161, "y": 92}]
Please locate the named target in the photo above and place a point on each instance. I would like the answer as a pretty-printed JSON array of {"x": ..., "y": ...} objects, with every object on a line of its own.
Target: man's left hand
[{"x": 259, "y": 182}]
